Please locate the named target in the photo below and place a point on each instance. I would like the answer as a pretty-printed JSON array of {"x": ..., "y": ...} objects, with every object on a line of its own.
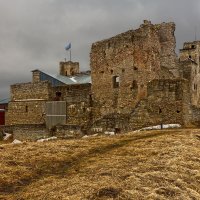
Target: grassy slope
[{"x": 146, "y": 165}]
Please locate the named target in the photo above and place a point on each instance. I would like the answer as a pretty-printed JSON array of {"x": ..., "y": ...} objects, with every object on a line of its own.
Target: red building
[{"x": 3, "y": 108}]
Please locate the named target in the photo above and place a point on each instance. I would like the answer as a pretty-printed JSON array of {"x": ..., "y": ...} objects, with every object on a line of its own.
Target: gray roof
[
  {"x": 76, "y": 79},
  {"x": 81, "y": 78},
  {"x": 4, "y": 101}
]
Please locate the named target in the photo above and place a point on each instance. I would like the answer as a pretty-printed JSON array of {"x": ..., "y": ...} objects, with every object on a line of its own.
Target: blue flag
[{"x": 68, "y": 46}]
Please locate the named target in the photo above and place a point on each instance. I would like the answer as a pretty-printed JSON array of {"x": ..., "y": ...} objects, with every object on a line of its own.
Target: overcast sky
[{"x": 33, "y": 33}]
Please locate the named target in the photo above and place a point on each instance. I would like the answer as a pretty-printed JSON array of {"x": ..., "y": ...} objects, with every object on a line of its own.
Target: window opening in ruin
[
  {"x": 111, "y": 71},
  {"x": 115, "y": 81},
  {"x": 134, "y": 85},
  {"x": 190, "y": 56},
  {"x": 66, "y": 74},
  {"x": 123, "y": 70},
  {"x": 26, "y": 108},
  {"x": 135, "y": 68},
  {"x": 193, "y": 46},
  {"x": 72, "y": 72},
  {"x": 195, "y": 86},
  {"x": 178, "y": 111},
  {"x": 84, "y": 109},
  {"x": 58, "y": 96},
  {"x": 160, "y": 110}
]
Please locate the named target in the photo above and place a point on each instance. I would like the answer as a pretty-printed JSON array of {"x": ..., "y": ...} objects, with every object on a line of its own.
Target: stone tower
[
  {"x": 69, "y": 68},
  {"x": 190, "y": 68}
]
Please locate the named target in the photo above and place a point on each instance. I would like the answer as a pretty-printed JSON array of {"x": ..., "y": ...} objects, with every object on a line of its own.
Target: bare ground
[{"x": 157, "y": 165}]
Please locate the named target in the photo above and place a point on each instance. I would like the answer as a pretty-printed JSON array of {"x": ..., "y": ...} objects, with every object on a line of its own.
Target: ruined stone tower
[
  {"x": 122, "y": 66},
  {"x": 190, "y": 68}
]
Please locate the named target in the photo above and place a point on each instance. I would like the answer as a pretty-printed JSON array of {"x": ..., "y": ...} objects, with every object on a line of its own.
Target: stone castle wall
[
  {"x": 28, "y": 100},
  {"x": 78, "y": 98},
  {"x": 25, "y": 112},
  {"x": 164, "y": 104},
  {"x": 24, "y": 91},
  {"x": 122, "y": 66}
]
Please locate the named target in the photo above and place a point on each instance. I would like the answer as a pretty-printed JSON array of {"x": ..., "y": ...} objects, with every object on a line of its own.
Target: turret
[{"x": 69, "y": 68}]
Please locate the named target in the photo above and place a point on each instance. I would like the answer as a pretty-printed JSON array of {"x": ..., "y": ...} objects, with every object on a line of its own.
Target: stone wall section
[
  {"x": 122, "y": 66},
  {"x": 78, "y": 99},
  {"x": 35, "y": 90},
  {"x": 164, "y": 104},
  {"x": 28, "y": 100},
  {"x": 25, "y": 112}
]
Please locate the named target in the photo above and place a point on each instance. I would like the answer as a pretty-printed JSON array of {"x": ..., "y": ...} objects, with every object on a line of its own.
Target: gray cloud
[{"x": 33, "y": 33}]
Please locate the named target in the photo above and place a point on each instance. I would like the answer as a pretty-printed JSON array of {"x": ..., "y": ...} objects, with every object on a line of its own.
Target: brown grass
[{"x": 146, "y": 165}]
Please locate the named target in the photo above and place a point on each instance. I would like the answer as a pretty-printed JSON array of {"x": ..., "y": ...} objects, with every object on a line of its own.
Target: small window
[
  {"x": 160, "y": 110},
  {"x": 134, "y": 85},
  {"x": 190, "y": 56},
  {"x": 58, "y": 96},
  {"x": 195, "y": 86},
  {"x": 115, "y": 81},
  {"x": 178, "y": 111},
  {"x": 193, "y": 46},
  {"x": 111, "y": 71},
  {"x": 123, "y": 70},
  {"x": 135, "y": 68},
  {"x": 26, "y": 108}
]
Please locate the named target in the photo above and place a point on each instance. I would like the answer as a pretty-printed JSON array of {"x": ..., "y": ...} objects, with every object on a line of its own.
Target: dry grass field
[{"x": 156, "y": 165}]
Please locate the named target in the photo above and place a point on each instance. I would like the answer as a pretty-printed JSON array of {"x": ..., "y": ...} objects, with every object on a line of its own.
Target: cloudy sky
[{"x": 33, "y": 33}]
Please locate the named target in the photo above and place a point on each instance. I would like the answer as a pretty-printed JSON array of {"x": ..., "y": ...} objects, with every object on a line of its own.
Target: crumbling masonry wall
[
  {"x": 166, "y": 102},
  {"x": 27, "y": 105},
  {"x": 122, "y": 66},
  {"x": 79, "y": 102}
]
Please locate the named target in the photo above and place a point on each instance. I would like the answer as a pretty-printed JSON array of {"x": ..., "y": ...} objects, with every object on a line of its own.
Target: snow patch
[
  {"x": 7, "y": 136},
  {"x": 47, "y": 139},
  {"x": 109, "y": 133},
  {"x": 16, "y": 142},
  {"x": 157, "y": 127},
  {"x": 73, "y": 79}
]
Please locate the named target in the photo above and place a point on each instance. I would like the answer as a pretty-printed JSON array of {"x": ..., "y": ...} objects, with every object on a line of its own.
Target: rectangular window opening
[{"x": 115, "y": 81}]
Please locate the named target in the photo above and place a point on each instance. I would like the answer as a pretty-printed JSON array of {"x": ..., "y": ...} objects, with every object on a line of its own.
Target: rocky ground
[{"x": 152, "y": 164}]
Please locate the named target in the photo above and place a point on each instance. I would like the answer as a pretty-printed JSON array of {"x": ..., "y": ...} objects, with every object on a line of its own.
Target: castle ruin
[{"x": 136, "y": 80}]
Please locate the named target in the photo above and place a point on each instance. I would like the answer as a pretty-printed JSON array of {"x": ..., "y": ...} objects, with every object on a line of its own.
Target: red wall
[
  {"x": 2, "y": 117},
  {"x": 4, "y": 106}
]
